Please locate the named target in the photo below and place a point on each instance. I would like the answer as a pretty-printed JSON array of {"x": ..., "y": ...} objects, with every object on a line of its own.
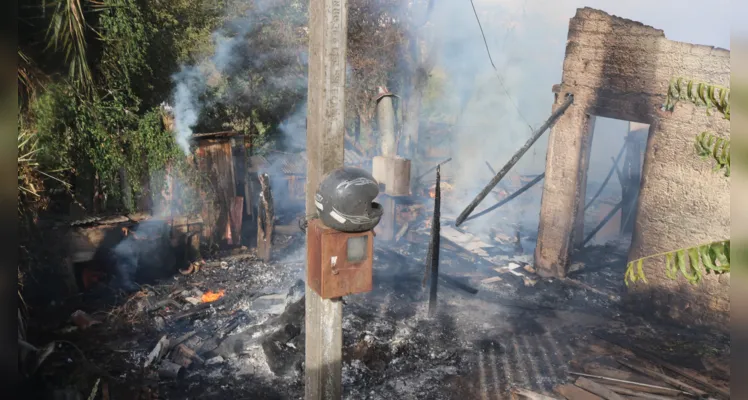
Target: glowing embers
[{"x": 211, "y": 296}]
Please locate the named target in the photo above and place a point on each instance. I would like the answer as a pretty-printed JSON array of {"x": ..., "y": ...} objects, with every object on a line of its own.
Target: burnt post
[
  {"x": 265, "y": 219},
  {"x": 433, "y": 255}
]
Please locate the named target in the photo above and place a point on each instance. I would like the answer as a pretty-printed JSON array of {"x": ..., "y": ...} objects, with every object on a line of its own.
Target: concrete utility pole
[{"x": 325, "y": 135}]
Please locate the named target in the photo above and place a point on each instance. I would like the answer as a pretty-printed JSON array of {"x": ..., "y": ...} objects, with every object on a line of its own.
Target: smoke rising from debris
[
  {"x": 147, "y": 250},
  {"x": 224, "y": 75}
]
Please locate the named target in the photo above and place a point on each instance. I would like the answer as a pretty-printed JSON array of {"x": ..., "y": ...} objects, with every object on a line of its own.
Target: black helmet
[{"x": 344, "y": 200}]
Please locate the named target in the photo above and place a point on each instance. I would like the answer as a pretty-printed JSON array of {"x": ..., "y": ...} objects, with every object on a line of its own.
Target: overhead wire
[{"x": 496, "y": 70}]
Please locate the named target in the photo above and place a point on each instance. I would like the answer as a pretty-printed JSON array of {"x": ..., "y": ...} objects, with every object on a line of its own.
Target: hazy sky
[
  {"x": 701, "y": 22},
  {"x": 527, "y": 40}
]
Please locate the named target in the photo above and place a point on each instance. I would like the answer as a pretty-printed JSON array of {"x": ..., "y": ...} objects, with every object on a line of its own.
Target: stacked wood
[{"x": 265, "y": 220}]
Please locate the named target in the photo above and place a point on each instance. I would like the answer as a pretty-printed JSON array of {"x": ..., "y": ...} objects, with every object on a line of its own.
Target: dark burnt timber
[
  {"x": 535, "y": 136},
  {"x": 433, "y": 256},
  {"x": 510, "y": 197},
  {"x": 607, "y": 178},
  {"x": 265, "y": 220},
  {"x": 602, "y": 223}
]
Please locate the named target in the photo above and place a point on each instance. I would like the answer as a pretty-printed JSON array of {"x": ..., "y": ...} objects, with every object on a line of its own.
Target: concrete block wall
[{"x": 618, "y": 68}]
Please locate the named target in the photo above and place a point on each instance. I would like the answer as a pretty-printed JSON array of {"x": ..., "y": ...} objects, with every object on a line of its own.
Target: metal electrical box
[{"x": 338, "y": 263}]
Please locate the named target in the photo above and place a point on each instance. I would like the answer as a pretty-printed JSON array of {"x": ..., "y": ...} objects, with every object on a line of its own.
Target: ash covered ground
[{"x": 516, "y": 332}]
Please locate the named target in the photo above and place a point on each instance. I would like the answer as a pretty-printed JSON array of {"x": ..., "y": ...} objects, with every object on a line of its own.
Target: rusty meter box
[{"x": 338, "y": 263}]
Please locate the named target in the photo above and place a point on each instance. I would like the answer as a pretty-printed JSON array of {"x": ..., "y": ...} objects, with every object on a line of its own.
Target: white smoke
[
  {"x": 189, "y": 83},
  {"x": 526, "y": 40}
]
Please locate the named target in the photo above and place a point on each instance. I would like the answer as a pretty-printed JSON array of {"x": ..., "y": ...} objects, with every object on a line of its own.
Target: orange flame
[
  {"x": 212, "y": 296},
  {"x": 444, "y": 186}
]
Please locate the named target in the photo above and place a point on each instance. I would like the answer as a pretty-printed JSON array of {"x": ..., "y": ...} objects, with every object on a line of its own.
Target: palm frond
[
  {"x": 700, "y": 93},
  {"x": 24, "y": 81},
  {"x": 690, "y": 262},
  {"x": 67, "y": 33},
  {"x": 710, "y": 146}
]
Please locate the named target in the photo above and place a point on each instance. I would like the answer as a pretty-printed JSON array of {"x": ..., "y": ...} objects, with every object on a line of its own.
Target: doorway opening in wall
[{"x": 613, "y": 180}]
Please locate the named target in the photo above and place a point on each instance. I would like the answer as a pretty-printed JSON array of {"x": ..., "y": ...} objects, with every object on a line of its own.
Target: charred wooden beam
[
  {"x": 602, "y": 223},
  {"x": 493, "y": 172},
  {"x": 607, "y": 178},
  {"x": 535, "y": 136},
  {"x": 265, "y": 220},
  {"x": 433, "y": 168},
  {"x": 433, "y": 258},
  {"x": 605, "y": 220},
  {"x": 510, "y": 197},
  {"x": 454, "y": 282},
  {"x": 170, "y": 370},
  {"x": 619, "y": 174}
]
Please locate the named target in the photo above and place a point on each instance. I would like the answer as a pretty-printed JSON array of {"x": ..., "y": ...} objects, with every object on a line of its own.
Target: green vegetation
[{"x": 693, "y": 262}]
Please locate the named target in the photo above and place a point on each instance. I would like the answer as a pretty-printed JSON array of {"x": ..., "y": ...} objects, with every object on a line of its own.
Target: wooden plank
[
  {"x": 638, "y": 394},
  {"x": 598, "y": 389},
  {"x": 632, "y": 380},
  {"x": 214, "y": 159},
  {"x": 328, "y": 26},
  {"x": 571, "y": 392},
  {"x": 667, "y": 379},
  {"x": 521, "y": 394},
  {"x": 491, "y": 279},
  {"x": 692, "y": 376},
  {"x": 235, "y": 218}
]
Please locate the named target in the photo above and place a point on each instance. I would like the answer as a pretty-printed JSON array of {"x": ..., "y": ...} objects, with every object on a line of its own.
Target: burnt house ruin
[{"x": 618, "y": 68}]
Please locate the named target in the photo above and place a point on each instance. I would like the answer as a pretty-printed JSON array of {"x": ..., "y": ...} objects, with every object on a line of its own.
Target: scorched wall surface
[{"x": 617, "y": 68}]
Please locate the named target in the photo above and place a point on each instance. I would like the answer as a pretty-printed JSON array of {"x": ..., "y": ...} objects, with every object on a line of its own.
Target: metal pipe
[{"x": 386, "y": 122}]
